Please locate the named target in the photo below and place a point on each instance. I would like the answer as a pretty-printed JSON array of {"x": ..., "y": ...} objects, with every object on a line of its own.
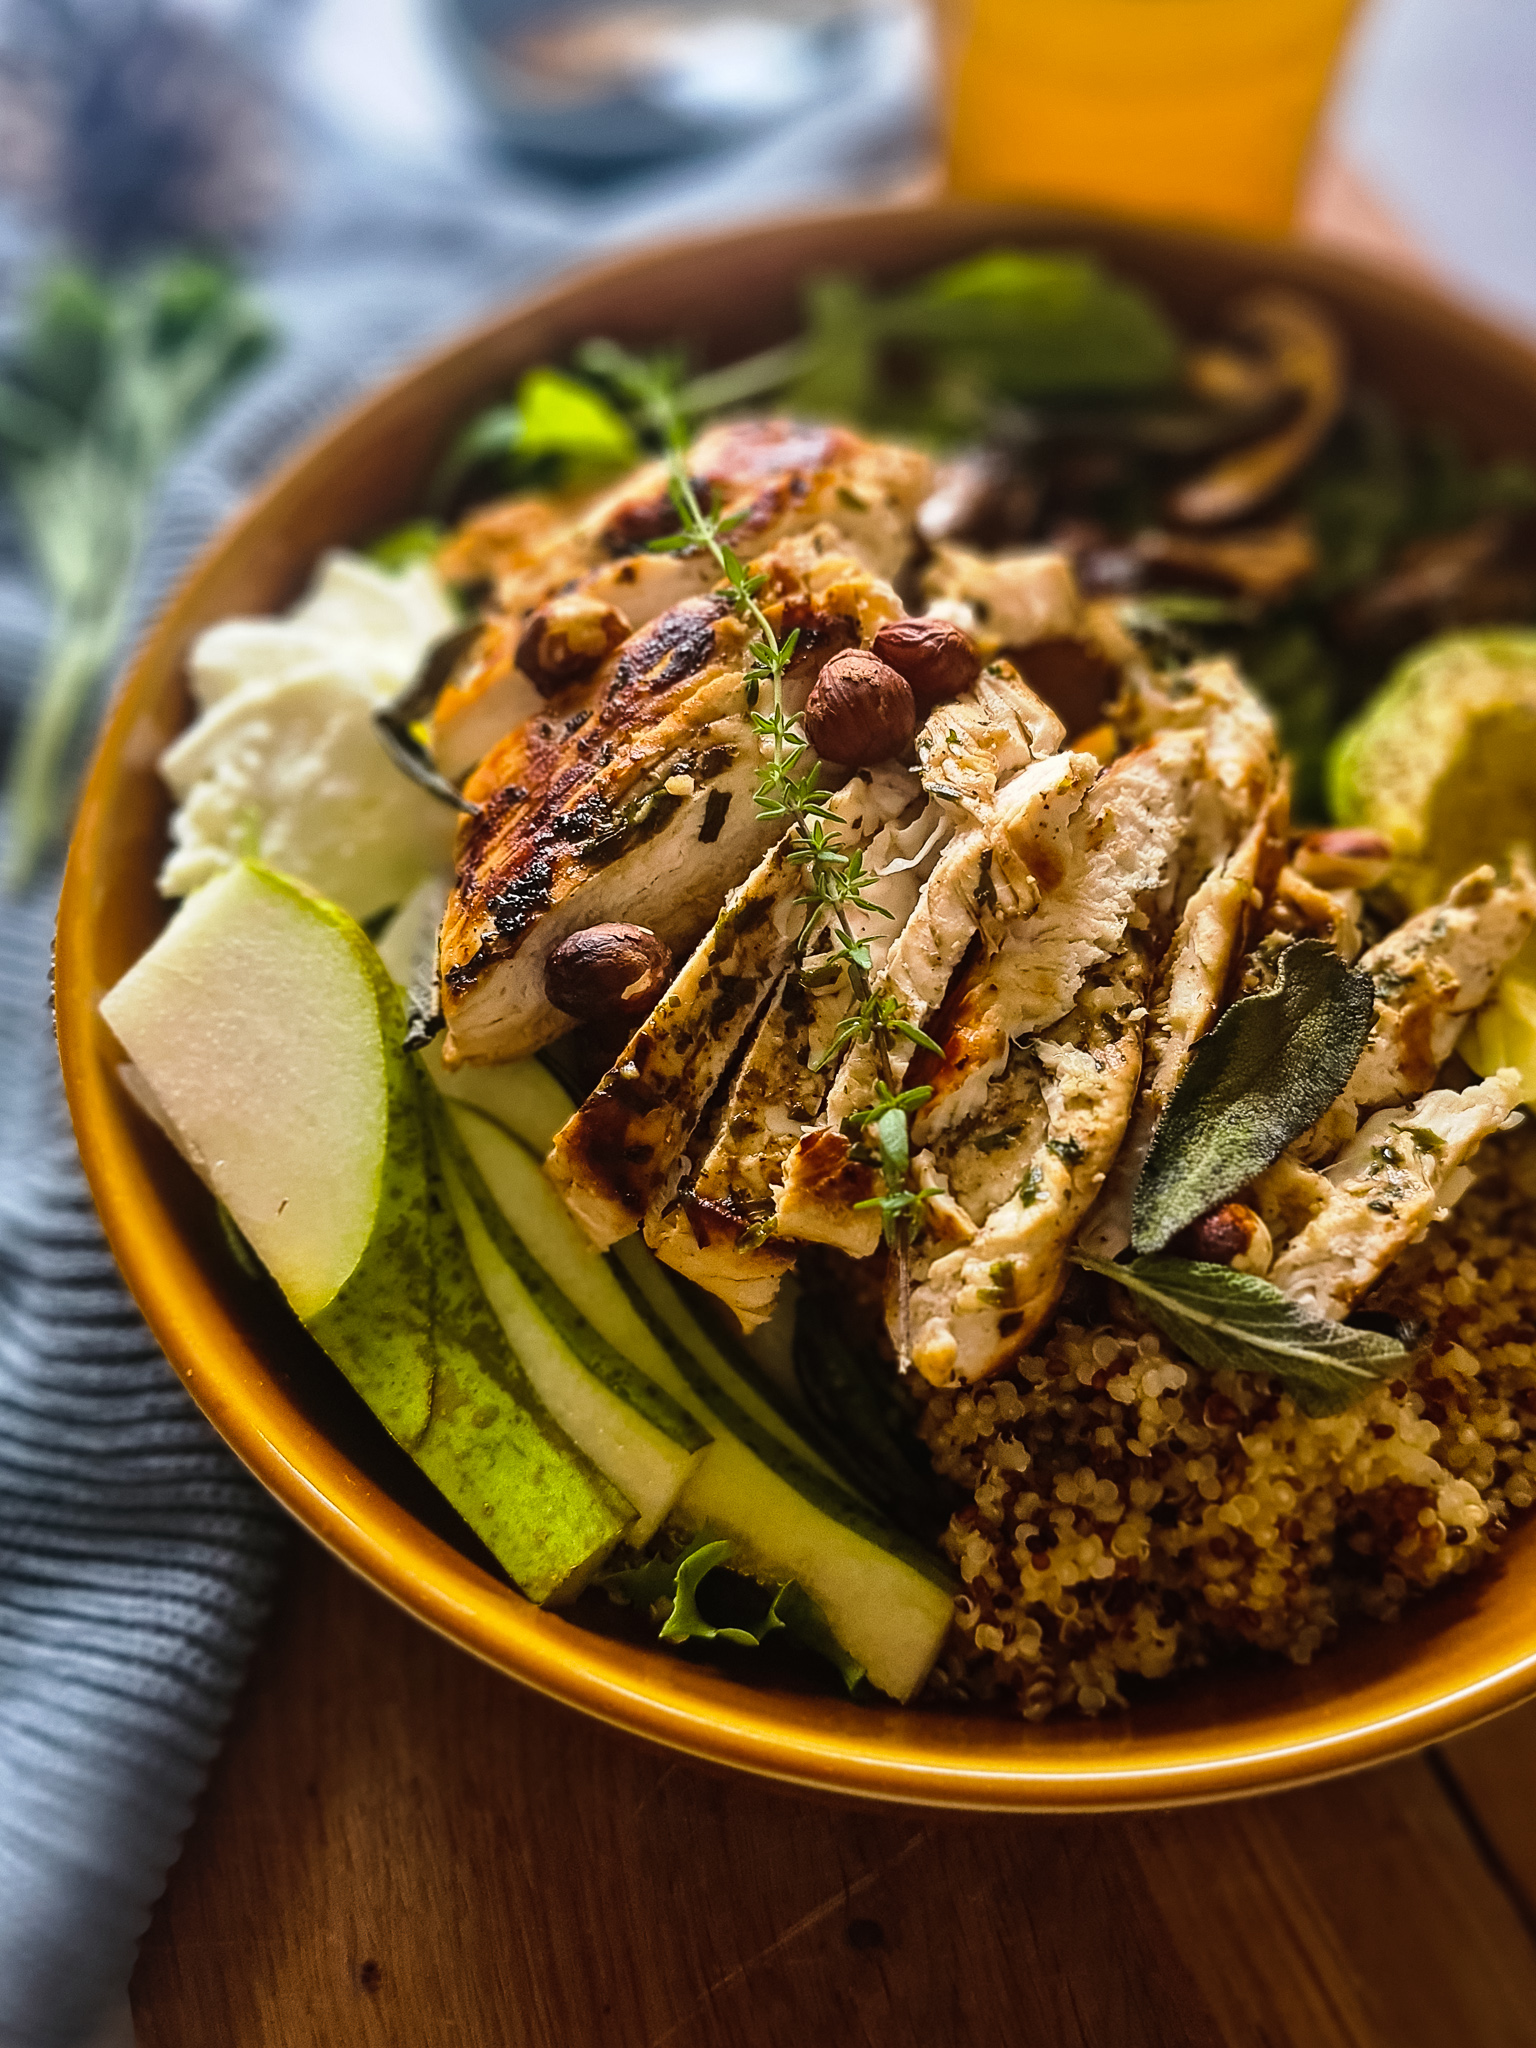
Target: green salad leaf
[
  {"x": 668, "y": 1590},
  {"x": 418, "y": 540},
  {"x": 1236, "y": 1322},
  {"x": 1261, "y": 1077},
  {"x": 558, "y": 433},
  {"x": 1039, "y": 325}
]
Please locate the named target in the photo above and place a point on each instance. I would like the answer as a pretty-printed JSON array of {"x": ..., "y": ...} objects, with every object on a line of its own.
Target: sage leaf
[
  {"x": 399, "y": 722},
  {"x": 1268, "y": 1070},
  {"x": 1236, "y": 1322}
]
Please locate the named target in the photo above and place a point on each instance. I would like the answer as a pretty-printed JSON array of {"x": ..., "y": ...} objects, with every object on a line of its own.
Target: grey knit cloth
[{"x": 135, "y": 1554}]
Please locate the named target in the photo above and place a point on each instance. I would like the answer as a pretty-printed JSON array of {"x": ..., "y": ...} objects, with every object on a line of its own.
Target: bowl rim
[{"x": 886, "y": 1754}]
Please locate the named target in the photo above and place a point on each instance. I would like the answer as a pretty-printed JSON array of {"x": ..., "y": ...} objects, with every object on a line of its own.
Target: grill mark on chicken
[
  {"x": 675, "y": 647},
  {"x": 620, "y": 1152},
  {"x": 634, "y": 814}
]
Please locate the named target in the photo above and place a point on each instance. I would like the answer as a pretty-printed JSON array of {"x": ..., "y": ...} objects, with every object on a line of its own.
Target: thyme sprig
[{"x": 836, "y": 879}]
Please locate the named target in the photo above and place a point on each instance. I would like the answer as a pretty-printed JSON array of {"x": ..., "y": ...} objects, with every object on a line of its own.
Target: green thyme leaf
[
  {"x": 1265, "y": 1074},
  {"x": 1236, "y": 1322}
]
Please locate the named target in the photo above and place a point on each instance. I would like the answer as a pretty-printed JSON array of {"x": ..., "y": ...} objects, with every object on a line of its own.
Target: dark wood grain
[{"x": 401, "y": 1849}]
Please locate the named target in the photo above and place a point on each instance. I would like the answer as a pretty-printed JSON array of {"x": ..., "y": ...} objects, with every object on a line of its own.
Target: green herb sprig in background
[{"x": 108, "y": 379}]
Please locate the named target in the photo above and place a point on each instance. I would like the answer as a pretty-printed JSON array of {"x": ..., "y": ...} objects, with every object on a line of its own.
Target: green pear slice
[
  {"x": 269, "y": 1035},
  {"x": 257, "y": 1027},
  {"x": 646, "y": 1442}
]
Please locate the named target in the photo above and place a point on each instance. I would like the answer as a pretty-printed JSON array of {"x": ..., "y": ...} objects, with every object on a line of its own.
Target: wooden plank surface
[{"x": 400, "y": 1849}]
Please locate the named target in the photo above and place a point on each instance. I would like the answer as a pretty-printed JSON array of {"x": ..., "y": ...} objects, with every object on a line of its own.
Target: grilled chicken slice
[
  {"x": 1430, "y": 975},
  {"x": 985, "y": 873},
  {"x": 781, "y": 477},
  {"x": 1402, "y": 1170},
  {"x": 1102, "y": 859},
  {"x": 622, "y": 1150},
  {"x": 631, "y": 799},
  {"x": 718, "y": 1228},
  {"x": 1004, "y": 600},
  {"x": 1067, "y": 1099},
  {"x": 1043, "y": 1050},
  {"x": 970, "y": 747},
  {"x": 1210, "y": 937}
]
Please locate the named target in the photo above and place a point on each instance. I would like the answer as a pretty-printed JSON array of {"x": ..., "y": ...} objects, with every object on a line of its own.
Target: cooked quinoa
[{"x": 1131, "y": 1515}]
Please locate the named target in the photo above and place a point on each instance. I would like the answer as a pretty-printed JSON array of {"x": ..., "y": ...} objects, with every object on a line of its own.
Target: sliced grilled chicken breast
[
  {"x": 1044, "y": 1047},
  {"x": 1405, "y": 1167},
  {"x": 997, "y": 824},
  {"x": 717, "y": 1229},
  {"x": 1430, "y": 975},
  {"x": 781, "y": 477},
  {"x": 618, "y": 1159},
  {"x": 1071, "y": 1092},
  {"x": 631, "y": 799}
]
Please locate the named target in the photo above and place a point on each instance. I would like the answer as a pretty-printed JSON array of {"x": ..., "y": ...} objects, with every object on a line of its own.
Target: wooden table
[{"x": 401, "y": 1849}]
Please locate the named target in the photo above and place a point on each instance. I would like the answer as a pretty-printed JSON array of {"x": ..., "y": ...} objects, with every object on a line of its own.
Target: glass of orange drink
[{"x": 1200, "y": 110}]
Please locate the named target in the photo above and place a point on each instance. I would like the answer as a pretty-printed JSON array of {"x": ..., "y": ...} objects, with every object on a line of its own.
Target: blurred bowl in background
[{"x": 603, "y": 85}]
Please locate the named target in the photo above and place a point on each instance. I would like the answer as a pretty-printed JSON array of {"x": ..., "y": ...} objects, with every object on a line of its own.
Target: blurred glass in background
[{"x": 1198, "y": 110}]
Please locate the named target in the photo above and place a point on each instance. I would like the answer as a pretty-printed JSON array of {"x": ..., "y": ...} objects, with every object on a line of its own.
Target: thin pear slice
[
  {"x": 270, "y": 1035},
  {"x": 646, "y": 1442},
  {"x": 256, "y": 1024}
]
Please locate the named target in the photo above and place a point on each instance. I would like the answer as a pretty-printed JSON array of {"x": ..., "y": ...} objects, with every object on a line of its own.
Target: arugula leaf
[
  {"x": 797, "y": 1613},
  {"x": 1236, "y": 1322},
  {"x": 1265, "y": 1074},
  {"x": 1039, "y": 324},
  {"x": 675, "y": 1585},
  {"x": 557, "y": 434},
  {"x": 418, "y": 540}
]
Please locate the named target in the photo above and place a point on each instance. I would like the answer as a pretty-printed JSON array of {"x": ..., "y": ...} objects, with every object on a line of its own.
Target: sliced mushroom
[
  {"x": 1448, "y": 579},
  {"x": 1264, "y": 562},
  {"x": 1296, "y": 342}
]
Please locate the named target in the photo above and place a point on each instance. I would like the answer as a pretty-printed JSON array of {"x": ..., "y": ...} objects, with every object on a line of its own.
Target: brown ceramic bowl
[{"x": 1458, "y": 1658}]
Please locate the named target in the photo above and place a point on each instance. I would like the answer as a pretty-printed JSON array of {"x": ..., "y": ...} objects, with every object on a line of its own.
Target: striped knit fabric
[{"x": 135, "y": 1554}]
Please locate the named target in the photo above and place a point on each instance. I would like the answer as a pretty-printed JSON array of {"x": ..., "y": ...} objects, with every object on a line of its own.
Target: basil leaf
[
  {"x": 1235, "y": 1322},
  {"x": 1264, "y": 1075}
]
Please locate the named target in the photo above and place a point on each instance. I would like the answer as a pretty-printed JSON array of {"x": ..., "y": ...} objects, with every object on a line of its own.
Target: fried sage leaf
[
  {"x": 674, "y": 1586},
  {"x": 1264, "y": 1075},
  {"x": 398, "y": 723},
  {"x": 1235, "y": 1322}
]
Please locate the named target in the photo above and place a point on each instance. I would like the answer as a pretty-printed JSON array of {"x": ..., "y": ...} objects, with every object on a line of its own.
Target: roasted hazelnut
[
  {"x": 568, "y": 639},
  {"x": 1343, "y": 859},
  {"x": 608, "y": 970},
  {"x": 936, "y": 658},
  {"x": 860, "y": 711},
  {"x": 1233, "y": 1235}
]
